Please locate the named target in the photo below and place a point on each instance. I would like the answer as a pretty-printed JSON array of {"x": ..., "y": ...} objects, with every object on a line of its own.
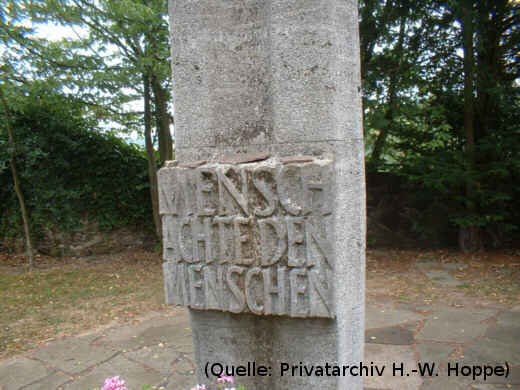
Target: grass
[{"x": 67, "y": 296}]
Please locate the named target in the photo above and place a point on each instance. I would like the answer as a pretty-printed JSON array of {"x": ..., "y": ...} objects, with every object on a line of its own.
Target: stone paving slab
[
  {"x": 20, "y": 371},
  {"x": 388, "y": 315},
  {"x": 147, "y": 333},
  {"x": 135, "y": 375},
  {"x": 159, "y": 357},
  {"x": 160, "y": 330},
  {"x": 433, "y": 352},
  {"x": 52, "y": 381},
  {"x": 445, "y": 383},
  {"x": 442, "y": 277},
  {"x": 382, "y": 355},
  {"x": 423, "y": 264},
  {"x": 158, "y": 351},
  {"x": 441, "y": 273},
  {"x": 508, "y": 318},
  {"x": 455, "y": 266},
  {"x": 480, "y": 386},
  {"x": 492, "y": 351},
  {"x": 72, "y": 360},
  {"x": 457, "y": 325},
  {"x": 394, "y": 335}
]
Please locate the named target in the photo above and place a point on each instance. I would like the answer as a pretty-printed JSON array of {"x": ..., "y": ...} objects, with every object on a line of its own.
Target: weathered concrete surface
[
  {"x": 133, "y": 373},
  {"x": 51, "y": 381},
  {"x": 67, "y": 358},
  {"x": 387, "y": 315},
  {"x": 433, "y": 352},
  {"x": 379, "y": 354},
  {"x": 440, "y": 273},
  {"x": 282, "y": 78},
  {"x": 163, "y": 354},
  {"x": 20, "y": 371},
  {"x": 250, "y": 236},
  {"x": 453, "y": 325},
  {"x": 394, "y": 335}
]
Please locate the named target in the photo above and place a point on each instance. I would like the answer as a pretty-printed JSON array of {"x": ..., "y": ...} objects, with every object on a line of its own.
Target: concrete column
[{"x": 265, "y": 210}]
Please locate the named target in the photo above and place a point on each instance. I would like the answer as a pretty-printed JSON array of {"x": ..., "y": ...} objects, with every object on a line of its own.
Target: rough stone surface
[
  {"x": 445, "y": 383},
  {"x": 488, "y": 350},
  {"x": 386, "y": 355},
  {"x": 441, "y": 277},
  {"x": 68, "y": 359},
  {"x": 432, "y": 352},
  {"x": 51, "y": 381},
  {"x": 282, "y": 78},
  {"x": 167, "y": 352},
  {"x": 505, "y": 334},
  {"x": 253, "y": 238},
  {"x": 452, "y": 325},
  {"x": 482, "y": 386},
  {"x": 383, "y": 316},
  {"x": 159, "y": 357},
  {"x": 20, "y": 371},
  {"x": 395, "y": 335},
  {"x": 130, "y": 338},
  {"x": 454, "y": 266},
  {"x": 135, "y": 375}
]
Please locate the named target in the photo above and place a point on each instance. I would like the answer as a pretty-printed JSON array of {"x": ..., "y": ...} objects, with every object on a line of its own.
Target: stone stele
[{"x": 264, "y": 210}]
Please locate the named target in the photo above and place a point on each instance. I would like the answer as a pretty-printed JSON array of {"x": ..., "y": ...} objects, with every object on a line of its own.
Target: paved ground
[{"x": 157, "y": 350}]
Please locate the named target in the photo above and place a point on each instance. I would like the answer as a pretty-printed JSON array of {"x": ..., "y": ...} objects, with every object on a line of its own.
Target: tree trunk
[
  {"x": 163, "y": 121},
  {"x": 491, "y": 70},
  {"x": 150, "y": 152},
  {"x": 469, "y": 235},
  {"x": 375, "y": 157},
  {"x": 18, "y": 190}
]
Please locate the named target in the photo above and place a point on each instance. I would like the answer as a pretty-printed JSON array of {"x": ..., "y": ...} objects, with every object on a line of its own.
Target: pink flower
[
  {"x": 225, "y": 379},
  {"x": 199, "y": 387},
  {"x": 114, "y": 384}
]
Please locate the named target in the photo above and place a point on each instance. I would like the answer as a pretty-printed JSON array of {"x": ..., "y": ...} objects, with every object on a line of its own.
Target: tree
[
  {"x": 8, "y": 71},
  {"x": 16, "y": 180},
  {"x": 71, "y": 172},
  {"x": 120, "y": 52},
  {"x": 441, "y": 108},
  {"x": 469, "y": 234}
]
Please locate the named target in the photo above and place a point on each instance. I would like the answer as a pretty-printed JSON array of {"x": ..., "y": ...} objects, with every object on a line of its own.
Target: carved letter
[
  {"x": 225, "y": 250},
  {"x": 296, "y": 241},
  {"x": 213, "y": 287},
  {"x": 202, "y": 235},
  {"x": 169, "y": 223},
  {"x": 265, "y": 190},
  {"x": 175, "y": 285},
  {"x": 278, "y": 291},
  {"x": 296, "y": 290},
  {"x": 319, "y": 294},
  {"x": 317, "y": 190},
  {"x": 251, "y": 297},
  {"x": 289, "y": 180},
  {"x": 241, "y": 239},
  {"x": 322, "y": 244},
  {"x": 182, "y": 242},
  {"x": 195, "y": 284},
  {"x": 174, "y": 194},
  {"x": 240, "y": 301},
  {"x": 225, "y": 182},
  {"x": 205, "y": 185},
  {"x": 265, "y": 244}
]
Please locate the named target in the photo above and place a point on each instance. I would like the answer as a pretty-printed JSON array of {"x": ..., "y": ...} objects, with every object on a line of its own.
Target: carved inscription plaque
[{"x": 251, "y": 237}]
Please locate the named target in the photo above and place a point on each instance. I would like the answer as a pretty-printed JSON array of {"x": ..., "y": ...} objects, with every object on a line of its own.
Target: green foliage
[
  {"x": 70, "y": 170},
  {"x": 414, "y": 113}
]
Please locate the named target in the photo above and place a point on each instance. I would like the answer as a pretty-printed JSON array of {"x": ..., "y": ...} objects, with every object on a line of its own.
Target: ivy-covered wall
[{"x": 70, "y": 172}]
